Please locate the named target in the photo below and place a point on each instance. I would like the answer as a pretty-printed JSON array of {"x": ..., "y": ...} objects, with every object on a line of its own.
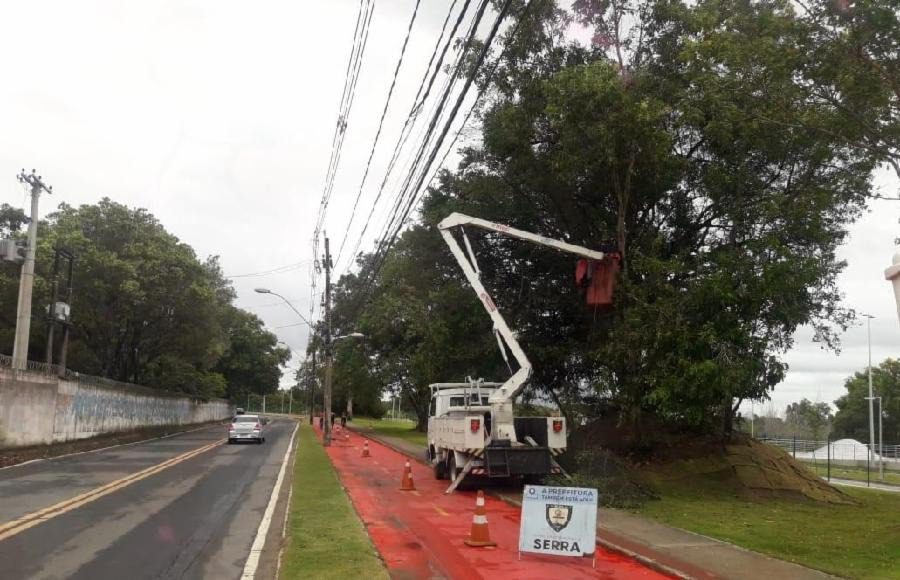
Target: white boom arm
[{"x": 501, "y": 400}]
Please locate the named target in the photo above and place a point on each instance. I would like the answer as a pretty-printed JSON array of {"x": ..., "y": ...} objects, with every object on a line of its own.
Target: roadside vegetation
[
  {"x": 859, "y": 540},
  {"x": 147, "y": 309},
  {"x": 326, "y": 538},
  {"x": 405, "y": 430}
]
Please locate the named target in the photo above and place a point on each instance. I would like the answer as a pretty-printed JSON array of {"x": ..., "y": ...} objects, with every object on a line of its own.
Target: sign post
[{"x": 560, "y": 521}]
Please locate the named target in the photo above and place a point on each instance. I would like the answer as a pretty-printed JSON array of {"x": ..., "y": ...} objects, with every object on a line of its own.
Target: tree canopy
[
  {"x": 709, "y": 143},
  {"x": 852, "y": 417},
  {"x": 145, "y": 309}
]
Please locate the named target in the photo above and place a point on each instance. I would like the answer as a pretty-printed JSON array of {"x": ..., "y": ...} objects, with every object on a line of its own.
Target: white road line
[{"x": 259, "y": 541}]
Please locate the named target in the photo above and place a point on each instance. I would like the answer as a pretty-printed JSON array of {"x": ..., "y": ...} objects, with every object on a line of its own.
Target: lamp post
[
  {"x": 871, "y": 397},
  {"x": 880, "y": 438}
]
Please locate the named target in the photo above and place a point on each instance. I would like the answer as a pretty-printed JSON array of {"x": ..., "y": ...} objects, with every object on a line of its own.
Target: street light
[
  {"x": 871, "y": 397},
  {"x": 286, "y": 301},
  {"x": 880, "y": 438}
]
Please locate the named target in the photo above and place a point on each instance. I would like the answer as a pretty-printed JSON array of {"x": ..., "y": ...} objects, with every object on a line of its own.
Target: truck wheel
[
  {"x": 452, "y": 470},
  {"x": 440, "y": 470}
]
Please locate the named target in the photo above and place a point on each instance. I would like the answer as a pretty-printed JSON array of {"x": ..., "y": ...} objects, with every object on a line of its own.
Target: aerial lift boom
[{"x": 501, "y": 401}]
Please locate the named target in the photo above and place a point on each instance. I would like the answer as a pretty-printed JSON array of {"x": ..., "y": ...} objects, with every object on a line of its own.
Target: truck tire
[{"x": 452, "y": 469}]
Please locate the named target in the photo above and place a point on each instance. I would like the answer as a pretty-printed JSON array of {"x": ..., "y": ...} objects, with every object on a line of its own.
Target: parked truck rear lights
[
  {"x": 475, "y": 425},
  {"x": 557, "y": 425}
]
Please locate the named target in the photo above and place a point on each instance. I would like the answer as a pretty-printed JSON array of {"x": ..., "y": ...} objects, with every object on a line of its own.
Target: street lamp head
[
  {"x": 262, "y": 290},
  {"x": 356, "y": 335}
]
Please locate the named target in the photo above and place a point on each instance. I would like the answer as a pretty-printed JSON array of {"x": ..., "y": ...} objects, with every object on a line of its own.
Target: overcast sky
[{"x": 218, "y": 116}]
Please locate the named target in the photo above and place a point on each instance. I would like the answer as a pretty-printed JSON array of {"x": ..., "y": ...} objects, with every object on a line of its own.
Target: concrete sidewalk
[
  {"x": 671, "y": 550},
  {"x": 877, "y": 486}
]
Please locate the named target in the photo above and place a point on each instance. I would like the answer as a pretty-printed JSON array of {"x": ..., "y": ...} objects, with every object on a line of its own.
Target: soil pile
[{"x": 739, "y": 464}]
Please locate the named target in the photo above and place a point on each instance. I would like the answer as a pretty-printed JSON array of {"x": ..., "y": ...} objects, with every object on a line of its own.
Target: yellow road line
[
  {"x": 25, "y": 522},
  {"x": 440, "y": 511}
]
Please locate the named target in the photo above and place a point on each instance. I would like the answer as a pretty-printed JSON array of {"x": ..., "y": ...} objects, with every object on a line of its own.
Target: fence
[{"x": 844, "y": 459}]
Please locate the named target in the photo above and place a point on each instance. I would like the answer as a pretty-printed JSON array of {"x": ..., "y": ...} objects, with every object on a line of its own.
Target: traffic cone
[
  {"x": 346, "y": 437},
  {"x": 365, "y": 452},
  {"x": 406, "y": 484},
  {"x": 480, "y": 535}
]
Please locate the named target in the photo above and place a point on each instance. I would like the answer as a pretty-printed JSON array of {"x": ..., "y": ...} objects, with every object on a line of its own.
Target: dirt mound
[{"x": 739, "y": 465}]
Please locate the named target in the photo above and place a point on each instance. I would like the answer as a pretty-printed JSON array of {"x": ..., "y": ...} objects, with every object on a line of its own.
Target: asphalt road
[{"x": 187, "y": 506}]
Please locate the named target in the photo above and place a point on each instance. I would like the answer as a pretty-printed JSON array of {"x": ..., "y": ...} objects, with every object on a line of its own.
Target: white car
[{"x": 246, "y": 428}]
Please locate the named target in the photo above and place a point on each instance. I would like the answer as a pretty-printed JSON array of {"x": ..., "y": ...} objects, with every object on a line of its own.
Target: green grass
[
  {"x": 854, "y": 541},
  {"x": 326, "y": 538},
  {"x": 405, "y": 430},
  {"x": 854, "y": 473}
]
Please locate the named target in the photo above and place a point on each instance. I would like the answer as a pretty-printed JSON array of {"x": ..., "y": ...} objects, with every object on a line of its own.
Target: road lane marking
[
  {"x": 440, "y": 511},
  {"x": 25, "y": 522},
  {"x": 259, "y": 541}
]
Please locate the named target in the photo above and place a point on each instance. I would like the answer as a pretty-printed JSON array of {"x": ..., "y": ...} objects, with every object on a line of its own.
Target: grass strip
[
  {"x": 853, "y": 541},
  {"x": 326, "y": 538},
  {"x": 405, "y": 430}
]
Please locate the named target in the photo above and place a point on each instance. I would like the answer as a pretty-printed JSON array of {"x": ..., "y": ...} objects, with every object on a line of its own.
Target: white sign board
[{"x": 558, "y": 520}]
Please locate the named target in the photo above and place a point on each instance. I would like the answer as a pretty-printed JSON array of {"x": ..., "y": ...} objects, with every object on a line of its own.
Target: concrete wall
[{"x": 39, "y": 409}]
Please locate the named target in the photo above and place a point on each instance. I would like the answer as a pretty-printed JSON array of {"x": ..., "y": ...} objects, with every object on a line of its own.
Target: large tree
[
  {"x": 144, "y": 308},
  {"x": 688, "y": 139}
]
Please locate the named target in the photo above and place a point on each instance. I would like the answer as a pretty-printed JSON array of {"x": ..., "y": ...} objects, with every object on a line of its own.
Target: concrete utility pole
[
  {"x": 871, "y": 398},
  {"x": 26, "y": 282},
  {"x": 329, "y": 355}
]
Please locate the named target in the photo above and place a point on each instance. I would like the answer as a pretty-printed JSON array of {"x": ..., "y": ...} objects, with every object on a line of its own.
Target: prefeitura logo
[{"x": 558, "y": 516}]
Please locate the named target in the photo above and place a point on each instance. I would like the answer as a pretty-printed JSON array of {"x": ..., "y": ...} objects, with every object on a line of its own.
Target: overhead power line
[
  {"x": 415, "y": 110},
  {"x": 412, "y": 192},
  {"x": 387, "y": 104},
  {"x": 412, "y": 188},
  {"x": 278, "y": 270}
]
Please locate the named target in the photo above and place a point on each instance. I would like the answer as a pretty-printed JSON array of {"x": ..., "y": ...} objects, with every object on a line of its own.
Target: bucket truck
[{"x": 471, "y": 425}]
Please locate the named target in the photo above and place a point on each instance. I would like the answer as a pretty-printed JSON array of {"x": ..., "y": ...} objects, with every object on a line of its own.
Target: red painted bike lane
[{"x": 420, "y": 533}]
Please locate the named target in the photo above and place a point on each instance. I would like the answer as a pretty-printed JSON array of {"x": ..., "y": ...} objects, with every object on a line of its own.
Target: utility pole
[
  {"x": 312, "y": 387},
  {"x": 291, "y": 402},
  {"x": 329, "y": 355},
  {"x": 26, "y": 282},
  {"x": 871, "y": 396},
  {"x": 54, "y": 298}
]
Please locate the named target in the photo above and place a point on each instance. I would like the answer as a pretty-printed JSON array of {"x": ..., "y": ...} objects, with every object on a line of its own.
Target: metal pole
[
  {"x": 329, "y": 355},
  {"x": 26, "y": 282},
  {"x": 880, "y": 442},
  {"x": 291, "y": 402},
  {"x": 312, "y": 386},
  {"x": 264, "y": 405},
  {"x": 828, "y": 443},
  {"x": 67, "y": 324},
  {"x": 752, "y": 426},
  {"x": 248, "y": 402},
  {"x": 54, "y": 298},
  {"x": 871, "y": 400}
]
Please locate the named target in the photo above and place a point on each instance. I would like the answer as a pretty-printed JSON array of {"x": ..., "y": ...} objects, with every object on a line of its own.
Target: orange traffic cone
[
  {"x": 346, "y": 437},
  {"x": 365, "y": 452},
  {"x": 480, "y": 535},
  {"x": 406, "y": 484}
]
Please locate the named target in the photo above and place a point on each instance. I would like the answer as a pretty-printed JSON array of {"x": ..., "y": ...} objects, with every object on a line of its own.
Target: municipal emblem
[{"x": 558, "y": 516}]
